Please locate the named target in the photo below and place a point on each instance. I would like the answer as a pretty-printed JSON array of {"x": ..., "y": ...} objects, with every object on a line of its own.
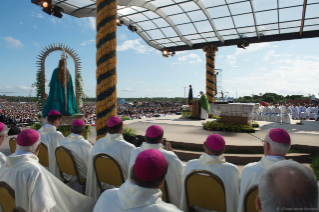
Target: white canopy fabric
[{"x": 178, "y": 25}]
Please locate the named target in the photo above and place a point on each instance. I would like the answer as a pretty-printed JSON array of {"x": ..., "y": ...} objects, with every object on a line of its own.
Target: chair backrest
[
  {"x": 19, "y": 209},
  {"x": 165, "y": 196},
  {"x": 43, "y": 155},
  {"x": 250, "y": 199},
  {"x": 206, "y": 190},
  {"x": 108, "y": 170},
  {"x": 13, "y": 144},
  {"x": 7, "y": 197},
  {"x": 66, "y": 162}
]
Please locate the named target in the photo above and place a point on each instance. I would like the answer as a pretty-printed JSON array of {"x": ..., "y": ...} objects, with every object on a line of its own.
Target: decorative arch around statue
[{"x": 45, "y": 52}]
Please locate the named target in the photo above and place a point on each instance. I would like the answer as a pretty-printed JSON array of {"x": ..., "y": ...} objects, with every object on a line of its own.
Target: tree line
[{"x": 271, "y": 98}]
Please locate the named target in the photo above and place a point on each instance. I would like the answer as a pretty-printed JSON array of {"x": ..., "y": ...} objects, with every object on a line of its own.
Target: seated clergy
[
  {"x": 294, "y": 111},
  {"x": 286, "y": 117},
  {"x": 114, "y": 145},
  {"x": 276, "y": 146},
  {"x": 311, "y": 111},
  {"x": 52, "y": 139},
  {"x": 213, "y": 161},
  {"x": 36, "y": 189},
  {"x": 275, "y": 114},
  {"x": 288, "y": 186},
  {"x": 142, "y": 192},
  {"x": 154, "y": 139},
  {"x": 81, "y": 148},
  {"x": 303, "y": 112},
  {"x": 3, "y": 132}
]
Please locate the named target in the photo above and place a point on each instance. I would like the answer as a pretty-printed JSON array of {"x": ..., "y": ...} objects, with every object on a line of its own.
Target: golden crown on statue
[{"x": 66, "y": 56}]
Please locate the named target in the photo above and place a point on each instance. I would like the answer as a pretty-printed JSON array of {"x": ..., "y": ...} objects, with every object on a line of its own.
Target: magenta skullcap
[
  {"x": 154, "y": 131},
  {"x": 78, "y": 123},
  {"x": 149, "y": 165},
  {"x": 279, "y": 135},
  {"x": 113, "y": 121},
  {"x": 27, "y": 137},
  {"x": 54, "y": 112},
  {"x": 215, "y": 142},
  {"x": 1, "y": 126}
]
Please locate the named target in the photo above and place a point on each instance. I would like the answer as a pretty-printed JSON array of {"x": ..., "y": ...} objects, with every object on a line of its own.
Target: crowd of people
[
  {"x": 284, "y": 113},
  {"x": 18, "y": 112},
  {"x": 282, "y": 184}
]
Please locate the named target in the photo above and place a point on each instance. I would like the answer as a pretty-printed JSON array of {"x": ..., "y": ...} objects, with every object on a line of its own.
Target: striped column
[
  {"x": 210, "y": 72},
  {"x": 106, "y": 76}
]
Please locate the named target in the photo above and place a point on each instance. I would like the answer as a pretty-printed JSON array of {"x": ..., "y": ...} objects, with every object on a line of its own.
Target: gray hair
[
  {"x": 4, "y": 131},
  {"x": 31, "y": 148},
  {"x": 290, "y": 185},
  {"x": 278, "y": 148},
  {"x": 77, "y": 129}
]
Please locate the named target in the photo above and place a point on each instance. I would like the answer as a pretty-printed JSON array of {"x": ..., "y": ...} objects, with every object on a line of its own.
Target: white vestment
[
  {"x": 36, "y": 189},
  {"x": 227, "y": 172},
  {"x": 286, "y": 118},
  {"x": 52, "y": 139},
  {"x": 275, "y": 116},
  {"x": 265, "y": 114},
  {"x": 82, "y": 149},
  {"x": 174, "y": 172},
  {"x": 133, "y": 198},
  {"x": 302, "y": 112},
  {"x": 203, "y": 113},
  {"x": 3, "y": 159},
  {"x": 251, "y": 175},
  {"x": 115, "y": 146},
  {"x": 311, "y": 113},
  {"x": 294, "y": 111},
  {"x": 316, "y": 112}
]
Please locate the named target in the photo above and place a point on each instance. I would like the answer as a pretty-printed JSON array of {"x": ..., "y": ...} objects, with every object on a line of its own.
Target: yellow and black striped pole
[
  {"x": 106, "y": 76},
  {"x": 210, "y": 72}
]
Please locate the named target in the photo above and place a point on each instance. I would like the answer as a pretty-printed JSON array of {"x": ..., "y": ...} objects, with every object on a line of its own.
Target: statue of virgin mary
[{"x": 56, "y": 99}]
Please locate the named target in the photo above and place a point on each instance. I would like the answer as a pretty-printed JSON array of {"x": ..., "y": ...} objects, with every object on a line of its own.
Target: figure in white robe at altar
[
  {"x": 286, "y": 115},
  {"x": 266, "y": 113},
  {"x": 142, "y": 192},
  {"x": 154, "y": 139},
  {"x": 52, "y": 139},
  {"x": 276, "y": 145},
  {"x": 114, "y": 145},
  {"x": 212, "y": 160},
  {"x": 294, "y": 111},
  {"x": 303, "y": 112},
  {"x": 3, "y": 133},
  {"x": 311, "y": 112},
  {"x": 36, "y": 189},
  {"x": 275, "y": 114},
  {"x": 82, "y": 150},
  {"x": 204, "y": 106}
]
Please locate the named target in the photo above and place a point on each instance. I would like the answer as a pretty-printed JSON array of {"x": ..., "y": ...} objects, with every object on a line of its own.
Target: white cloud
[
  {"x": 269, "y": 54},
  {"x": 39, "y": 15},
  {"x": 135, "y": 45},
  {"x": 87, "y": 42},
  {"x": 193, "y": 59},
  {"x": 35, "y": 43},
  {"x": 21, "y": 22},
  {"x": 149, "y": 90},
  {"x": 122, "y": 36},
  {"x": 87, "y": 23},
  {"x": 168, "y": 90},
  {"x": 127, "y": 89},
  {"x": 34, "y": 26},
  {"x": 141, "y": 82},
  {"x": 23, "y": 87},
  {"x": 88, "y": 89},
  {"x": 13, "y": 43},
  {"x": 231, "y": 59}
]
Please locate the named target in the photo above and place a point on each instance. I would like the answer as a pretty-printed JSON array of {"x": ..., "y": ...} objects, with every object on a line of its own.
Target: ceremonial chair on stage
[
  {"x": 165, "y": 196},
  {"x": 43, "y": 155},
  {"x": 250, "y": 198},
  {"x": 13, "y": 144},
  {"x": 108, "y": 170},
  {"x": 7, "y": 197},
  {"x": 67, "y": 165},
  {"x": 205, "y": 190}
]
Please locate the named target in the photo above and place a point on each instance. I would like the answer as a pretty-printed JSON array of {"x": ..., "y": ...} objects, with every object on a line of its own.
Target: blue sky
[{"x": 286, "y": 67}]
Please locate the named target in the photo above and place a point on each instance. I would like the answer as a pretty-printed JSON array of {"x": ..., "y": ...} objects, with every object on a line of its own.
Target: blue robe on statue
[{"x": 56, "y": 97}]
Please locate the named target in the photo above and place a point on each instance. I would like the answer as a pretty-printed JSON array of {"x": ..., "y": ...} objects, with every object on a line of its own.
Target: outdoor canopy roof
[{"x": 177, "y": 25}]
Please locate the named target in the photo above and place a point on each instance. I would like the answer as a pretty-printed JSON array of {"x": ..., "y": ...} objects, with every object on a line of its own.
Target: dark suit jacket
[{"x": 14, "y": 131}]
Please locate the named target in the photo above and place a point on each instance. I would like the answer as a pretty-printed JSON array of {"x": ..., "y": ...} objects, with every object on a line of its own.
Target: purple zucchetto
[
  {"x": 154, "y": 131},
  {"x": 215, "y": 142},
  {"x": 54, "y": 112},
  {"x": 113, "y": 121},
  {"x": 279, "y": 135},
  {"x": 78, "y": 123},
  {"x": 28, "y": 137}
]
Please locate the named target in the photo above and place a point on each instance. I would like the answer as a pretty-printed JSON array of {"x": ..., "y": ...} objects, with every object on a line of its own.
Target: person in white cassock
[
  {"x": 212, "y": 160},
  {"x": 288, "y": 186},
  {"x": 266, "y": 113},
  {"x": 114, "y": 145},
  {"x": 52, "y": 139},
  {"x": 303, "y": 112},
  {"x": 3, "y": 133},
  {"x": 82, "y": 150},
  {"x": 286, "y": 117},
  {"x": 142, "y": 192},
  {"x": 275, "y": 114},
  {"x": 316, "y": 112},
  {"x": 311, "y": 112},
  {"x": 154, "y": 139},
  {"x": 276, "y": 145},
  {"x": 294, "y": 111},
  {"x": 36, "y": 189}
]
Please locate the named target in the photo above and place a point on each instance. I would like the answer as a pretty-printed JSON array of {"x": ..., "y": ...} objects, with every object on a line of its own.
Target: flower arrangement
[
  {"x": 228, "y": 127},
  {"x": 40, "y": 89}
]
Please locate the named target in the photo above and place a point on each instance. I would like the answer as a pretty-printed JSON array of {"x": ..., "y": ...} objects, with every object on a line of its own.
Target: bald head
[{"x": 288, "y": 184}]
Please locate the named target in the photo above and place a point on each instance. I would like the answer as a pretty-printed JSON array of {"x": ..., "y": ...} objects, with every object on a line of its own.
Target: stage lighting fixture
[
  {"x": 242, "y": 44},
  {"x": 46, "y": 3},
  {"x": 57, "y": 11},
  {"x": 173, "y": 54},
  {"x": 165, "y": 53},
  {"x": 132, "y": 28},
  {"x": 119, "y": 22},
  {"x": 48, "y": 10}
]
